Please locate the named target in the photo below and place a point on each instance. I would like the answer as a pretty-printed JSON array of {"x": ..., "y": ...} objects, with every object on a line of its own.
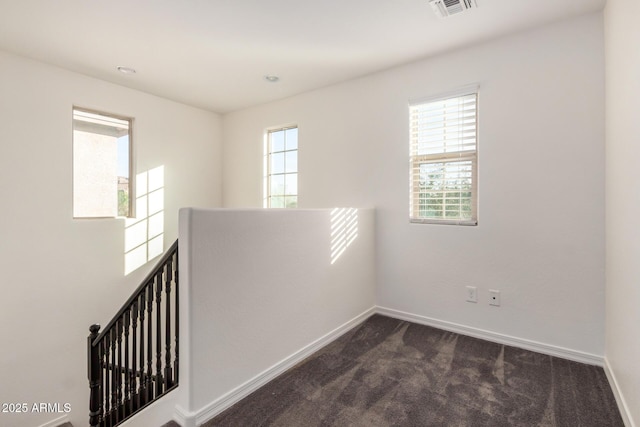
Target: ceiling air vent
[{"x": 446, "y": 8}]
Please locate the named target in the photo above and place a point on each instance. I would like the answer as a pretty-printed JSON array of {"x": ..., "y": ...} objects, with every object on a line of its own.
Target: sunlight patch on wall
[
  {"x": 144, "y": 234},
  {"x": 344, "y": 230}
]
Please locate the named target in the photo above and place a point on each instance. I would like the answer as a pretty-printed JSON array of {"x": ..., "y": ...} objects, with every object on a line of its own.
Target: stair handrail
[
  {"x": 117, "y": 389},
  {"x": 143, "y": 286}
]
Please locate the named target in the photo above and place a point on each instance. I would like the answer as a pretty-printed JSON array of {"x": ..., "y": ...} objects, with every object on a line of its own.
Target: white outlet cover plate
[
  {"x": 494, "y": 297},
  {"x": 472, "y": 294}
]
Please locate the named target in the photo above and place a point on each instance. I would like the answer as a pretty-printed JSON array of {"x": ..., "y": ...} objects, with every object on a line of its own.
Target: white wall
[
  {"x": 622, "y": 38},
  {"x": 60, "y": 275},
  {"x": 259, "y": 287},
  {"x": 540, "y": 238}
]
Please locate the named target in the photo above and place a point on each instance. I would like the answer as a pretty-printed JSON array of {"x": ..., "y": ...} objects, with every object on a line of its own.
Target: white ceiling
[{"x": 213, "y": 54}]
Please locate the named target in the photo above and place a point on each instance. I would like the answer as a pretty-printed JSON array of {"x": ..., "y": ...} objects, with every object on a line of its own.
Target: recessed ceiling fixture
[
  {"x": 271, "y": 78},
  {"x": 446, "y": 8},
  {"x": 126, "y": 70}
]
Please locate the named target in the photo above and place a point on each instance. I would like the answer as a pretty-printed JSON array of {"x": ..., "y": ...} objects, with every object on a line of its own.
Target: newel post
[{"x": 95, "y": 401}]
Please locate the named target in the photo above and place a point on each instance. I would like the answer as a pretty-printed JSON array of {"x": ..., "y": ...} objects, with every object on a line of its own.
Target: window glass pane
[
  {"x": 123, "y": 156},
  {"x": 291, "y": 161},
  {"x": 101, "y": 165},
  {"x": 277, "y": 202},
  {"x": 123, "y": 176},
  {"x": 291, "y": 139},
  {"x": 291, "y": 184},
  {"x": 277, "y": 163},
  {"x": 277, "y": 141},
  {"x": 291, "y": 201},
  {"x": 442, "y": 190},
  {"x": 277, "y": 185}
]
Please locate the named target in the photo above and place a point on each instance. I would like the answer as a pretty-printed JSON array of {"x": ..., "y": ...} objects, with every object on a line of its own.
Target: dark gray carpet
[{"x": 388, "y": 372}]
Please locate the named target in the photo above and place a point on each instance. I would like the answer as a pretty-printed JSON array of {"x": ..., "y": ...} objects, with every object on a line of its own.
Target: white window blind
[{"x": 444, "y": 160}]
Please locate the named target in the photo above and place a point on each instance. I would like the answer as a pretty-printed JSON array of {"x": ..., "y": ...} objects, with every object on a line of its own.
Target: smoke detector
[{"x": 446, "y": 8}]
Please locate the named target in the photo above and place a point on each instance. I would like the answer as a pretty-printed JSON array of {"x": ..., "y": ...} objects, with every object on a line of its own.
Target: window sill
[{"x": 470, "y": 222}]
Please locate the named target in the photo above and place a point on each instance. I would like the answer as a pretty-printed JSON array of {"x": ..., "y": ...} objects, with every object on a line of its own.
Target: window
[
  {"x": 101, "y": 165},
  {"x": 281, "y": 183},
  {"x": 444, "y": 159}
]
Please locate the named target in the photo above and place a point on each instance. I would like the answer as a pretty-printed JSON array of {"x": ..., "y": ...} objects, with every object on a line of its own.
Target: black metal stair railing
[{"x": 134, "y": 360}]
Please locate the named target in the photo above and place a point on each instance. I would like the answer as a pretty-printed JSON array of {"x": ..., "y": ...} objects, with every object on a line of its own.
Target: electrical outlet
[
  {"x": 472, "y": 294},
  {"x": 494, "y": 297}
]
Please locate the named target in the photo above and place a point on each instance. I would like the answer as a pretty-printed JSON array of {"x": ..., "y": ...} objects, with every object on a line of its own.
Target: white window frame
[
  {"x": 462, "y": 158},
  {"x": 268, "y": 151}
]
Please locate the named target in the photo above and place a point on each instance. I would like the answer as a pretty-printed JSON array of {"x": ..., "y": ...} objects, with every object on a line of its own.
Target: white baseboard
[
  {"x": 617, "y": 393},
  {"x": 538, "y": 347},
  {"x": 58, "y": 421},
  {"x": 227, "y": 400},
  {"x": 183, "y": 417}
]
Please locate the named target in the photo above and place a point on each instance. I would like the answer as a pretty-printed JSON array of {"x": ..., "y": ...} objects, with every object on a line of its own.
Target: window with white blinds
[{"x": 444, "y": 159}]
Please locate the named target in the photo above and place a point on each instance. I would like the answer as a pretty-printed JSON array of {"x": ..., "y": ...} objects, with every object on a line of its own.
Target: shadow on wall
[{"x": 144, "y": 234}]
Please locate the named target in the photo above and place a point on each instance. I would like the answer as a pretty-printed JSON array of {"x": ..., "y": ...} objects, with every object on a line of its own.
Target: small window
[
  {"x": 102, "y": 187},
  {"x": 444, "y": 160},
  {"x": 281, "y": 183}
]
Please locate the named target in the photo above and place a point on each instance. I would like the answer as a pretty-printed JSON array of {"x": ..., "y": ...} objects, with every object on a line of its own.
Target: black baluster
[
  {"x": 127, "y": 372},
  {"x": 105, "y": 366},
  {"x": 114, "y": 383},
  {"x": 177, "y": 281},
  {"x": 95, "y": 399},
  {"x": 119, "y": 412},
  {"x": 148, "y": 383},
  {"x": 167, "y": 350},
  {"x": 103, "y": 377},
  {"x": 158, "y": 333},
  {"x": 142, "y": 390},
  {"x": 134, "y": 353}
]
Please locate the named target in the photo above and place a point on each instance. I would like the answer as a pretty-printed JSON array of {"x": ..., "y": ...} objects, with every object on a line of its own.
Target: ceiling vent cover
[{"x": 446, "y": 8}]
